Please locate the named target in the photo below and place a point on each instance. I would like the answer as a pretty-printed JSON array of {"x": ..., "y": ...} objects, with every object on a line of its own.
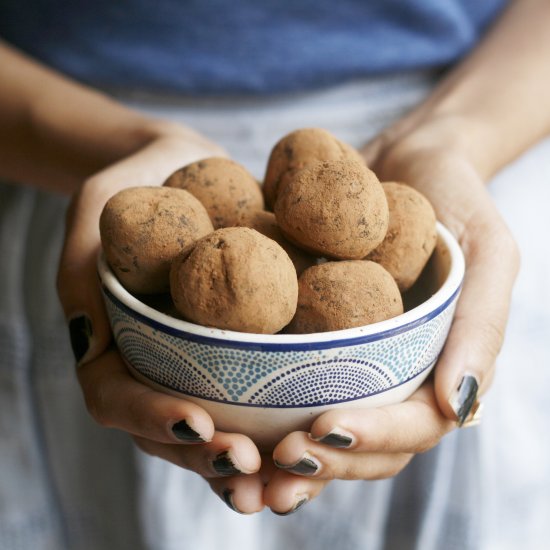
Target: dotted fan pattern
[{"x": 285, "y": 378}]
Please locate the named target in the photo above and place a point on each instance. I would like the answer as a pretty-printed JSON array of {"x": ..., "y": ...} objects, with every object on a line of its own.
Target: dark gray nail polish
[
  {"x": 184, "y": 432},
  {"x": 224, "y": 465},
  {"x": 305, "y": 467},
  {"x": 298, "y": 505},
  {"x": 80, "y": 330},
  {"x": 228, "y": 499},
  {"x": 336, "y": 440},
  {"x": 464, "y": 398}
]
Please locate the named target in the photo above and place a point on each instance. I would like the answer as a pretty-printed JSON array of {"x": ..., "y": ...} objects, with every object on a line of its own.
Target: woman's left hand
[{"x": 379, "y": 443}]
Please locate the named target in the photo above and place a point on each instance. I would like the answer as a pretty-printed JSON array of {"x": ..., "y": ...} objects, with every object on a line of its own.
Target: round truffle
[
  {"x": 411, "y": 236},
  {"x": 336, "y": 209},
  {"x": 265, "y": 223},
  {"x": 236, "y": 279},
  {"x": 340, "y": 295},
  {"x": 144, "y": 228},
  {"x": 298, "y": 150},
  {"x": 225, "y": 188}
]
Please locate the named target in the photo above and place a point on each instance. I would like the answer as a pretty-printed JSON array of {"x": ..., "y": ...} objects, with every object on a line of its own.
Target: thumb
[
  {"x": 77, "y": 280},
  {"x": 466, "y": 366}
]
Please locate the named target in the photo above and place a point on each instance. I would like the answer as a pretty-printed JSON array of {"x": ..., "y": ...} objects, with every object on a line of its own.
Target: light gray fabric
[{"x": 67, "y": 484}]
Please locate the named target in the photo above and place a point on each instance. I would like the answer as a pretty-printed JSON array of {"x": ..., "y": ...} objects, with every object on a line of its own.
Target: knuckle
[
  {"x": 492, "y": 336},
  {"x": 141, "y": 445},
  {"x": 395, "y": 466},
  {"x": 504, "y": 245},
  {"x": 402, "y": 462},
  {"x": 98, "y": 413},
  {"x": 154, "y": 449},
  {"x": 65, "y": 286},
  {"x": 95, "y": 401},
  {"x": 61, "y": 287},
  {"x": 512, "y": 250},
  {"x": 59, "y": 282},
  {"x": 441, "y": 426},
  {"x": 429, "y": 442},
  {"x": 71, "y": 209},
  {"x": 442, "y": 430},
  {"x": 145, "y": 446}
]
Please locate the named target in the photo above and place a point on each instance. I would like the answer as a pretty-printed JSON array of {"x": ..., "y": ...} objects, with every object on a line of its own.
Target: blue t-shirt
[{"x": 241, "y": 46}]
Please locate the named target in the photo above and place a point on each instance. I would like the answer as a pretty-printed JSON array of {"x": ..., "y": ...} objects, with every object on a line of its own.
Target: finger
[
  {"x": 77, "y": 282},
  {"x": 286, "y": 493},
  {"x": 117, "y": 400},
  {"x": 242, "y": 494},
  {"x": 410, "y": 427},
  {"x": 465, "y": 367},
  {"x": 225, "y": 456},
  {"x": 298, "y": 454}
]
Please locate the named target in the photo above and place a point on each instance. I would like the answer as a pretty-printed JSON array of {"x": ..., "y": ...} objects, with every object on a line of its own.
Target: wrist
[
  {"x": 430, "y": 131},
  {"x": 473, "y": 138}
]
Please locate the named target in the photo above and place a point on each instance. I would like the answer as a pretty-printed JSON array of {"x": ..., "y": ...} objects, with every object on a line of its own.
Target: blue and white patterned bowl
[{"x": 268, "y": 385}]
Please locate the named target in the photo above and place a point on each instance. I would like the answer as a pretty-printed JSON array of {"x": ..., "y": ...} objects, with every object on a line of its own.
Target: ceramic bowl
[{"x": 266, "y": 386}]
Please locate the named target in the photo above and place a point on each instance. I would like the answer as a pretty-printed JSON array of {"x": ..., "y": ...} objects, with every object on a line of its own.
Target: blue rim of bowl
[
  {"x": 283, "y": 346},
  {"x": 431, "y": 308}
]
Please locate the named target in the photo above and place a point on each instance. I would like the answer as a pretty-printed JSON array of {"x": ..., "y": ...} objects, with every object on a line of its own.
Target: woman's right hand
[{"x": 168, "y": 427}]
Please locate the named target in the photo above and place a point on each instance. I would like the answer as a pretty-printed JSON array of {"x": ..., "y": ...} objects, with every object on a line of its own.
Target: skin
[{"x": 448, "y": 147}]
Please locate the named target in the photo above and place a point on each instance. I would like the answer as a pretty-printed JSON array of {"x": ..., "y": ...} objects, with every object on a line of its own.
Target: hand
[
  {"x": 164, "y": 426},
  {"x": 380, "y": 442}
]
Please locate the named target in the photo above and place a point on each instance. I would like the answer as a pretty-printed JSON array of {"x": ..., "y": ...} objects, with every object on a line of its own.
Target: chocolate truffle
[
  {"x": 336, "y": 209},
  {"x": 226, "y": 189},
  {"x": 411, "y": 236},
  {"x": 265, "y": 222},
  {"x": 340, "y": 295},
  {"x": 298, "y": 150},
  {"x": 142, "y": 230},
  {"x": 235, "y": 279}
]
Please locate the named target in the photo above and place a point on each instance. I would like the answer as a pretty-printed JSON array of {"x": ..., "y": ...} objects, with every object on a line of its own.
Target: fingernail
[
  {"x": 80, "y": 330},
  {"x": 184, "y": 432},
  {"x": 474, "y": 419},
  {"x": 299, "y": 503},
  {"x": 464, "y": 398},
  {"x": 335, "y": 439},
  {"x": 224, "y": 466},
  {"x": 228, "y": 499},
  {"x": 306, "y": 466}
]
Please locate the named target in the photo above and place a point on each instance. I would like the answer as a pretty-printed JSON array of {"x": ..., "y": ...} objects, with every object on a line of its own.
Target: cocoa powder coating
[
  {"x": 298, "y": 150},
  {"x": 236, "y": 279},
  {"x": 335, "y": 208},
  {"x": 225, "y": 188},
  {"x": 142, "y": 230},
  {"x": 411, "y": 235},
  {"x": 340, "y": 295},
  {"x": 265, "y": 223}
]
